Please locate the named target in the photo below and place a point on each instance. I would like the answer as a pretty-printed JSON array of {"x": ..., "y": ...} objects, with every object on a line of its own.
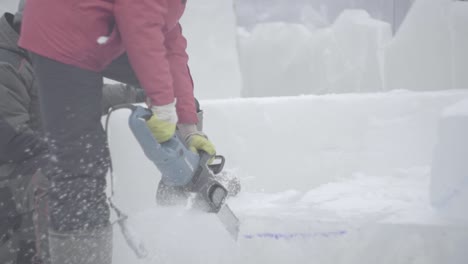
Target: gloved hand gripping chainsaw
[{"x": 184, "y": 170}]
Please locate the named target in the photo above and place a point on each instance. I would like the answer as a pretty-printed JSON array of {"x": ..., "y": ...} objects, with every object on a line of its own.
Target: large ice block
[
  {"x": 210, "y": 28},
  {"x": 279, "y": 59},
  {"x": 350, "y": 53},
  {"x": 429, "y": 51},
  {"x": 268, "y": 53},
  {"x": 459, "y": 37}
]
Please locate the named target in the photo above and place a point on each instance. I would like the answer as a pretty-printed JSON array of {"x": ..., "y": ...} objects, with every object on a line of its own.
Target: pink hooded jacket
[{"x": 148, "y": 30}]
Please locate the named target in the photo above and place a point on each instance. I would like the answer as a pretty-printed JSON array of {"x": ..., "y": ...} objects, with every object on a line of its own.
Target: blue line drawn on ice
[{"x": 290, "y": 236}]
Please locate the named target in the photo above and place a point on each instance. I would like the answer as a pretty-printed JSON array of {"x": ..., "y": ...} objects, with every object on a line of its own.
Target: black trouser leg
[
  {"x": 70, "y": 100},
  {"x": 120, "y": 70},
  {"x": 23, "y": 215},
  {"x": 10, "y": 223},
  {"x": 31, "y": 189}
]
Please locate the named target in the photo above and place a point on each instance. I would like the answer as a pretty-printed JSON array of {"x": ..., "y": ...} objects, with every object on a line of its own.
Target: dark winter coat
[
  {"x": 19, "y": 104},
  {"x": 20, "y": 185},
  {"x": 90, "y": 34},
  {"x": 20, "y": 140}
]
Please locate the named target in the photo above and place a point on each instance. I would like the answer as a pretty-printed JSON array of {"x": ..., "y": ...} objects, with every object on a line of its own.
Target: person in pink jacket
[{"x": 73, "y": 45}]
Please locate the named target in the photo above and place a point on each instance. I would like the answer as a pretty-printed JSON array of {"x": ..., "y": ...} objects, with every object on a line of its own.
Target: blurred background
[
  {"x": 261, "y": 48},
  {"x": 319, "y": 13}
]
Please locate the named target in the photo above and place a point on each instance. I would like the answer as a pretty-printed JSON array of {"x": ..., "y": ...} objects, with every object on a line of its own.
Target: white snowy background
[
  {"x": 337, "y": 169},
  {"x": 8, "y": 5}
]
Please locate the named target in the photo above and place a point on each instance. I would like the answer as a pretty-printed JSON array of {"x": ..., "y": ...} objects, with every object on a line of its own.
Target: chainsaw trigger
[{"x": 217, "y": 165}]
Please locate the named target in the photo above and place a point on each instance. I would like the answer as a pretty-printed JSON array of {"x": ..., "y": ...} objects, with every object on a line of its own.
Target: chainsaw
[{"x": 182, "y": 170}]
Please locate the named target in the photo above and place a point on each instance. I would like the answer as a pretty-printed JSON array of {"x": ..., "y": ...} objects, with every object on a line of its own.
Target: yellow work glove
[
  {"x": 163, "y": 122},
  {"x": 196, "y": 141},
  {"x": 199, "y": 142}
]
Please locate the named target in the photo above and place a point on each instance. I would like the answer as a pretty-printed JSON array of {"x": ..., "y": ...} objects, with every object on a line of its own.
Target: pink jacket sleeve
[
  {"x": 177, "y": 56},
  {"x": 141, "y": 26},
  {"x": 162, "y": 72}
]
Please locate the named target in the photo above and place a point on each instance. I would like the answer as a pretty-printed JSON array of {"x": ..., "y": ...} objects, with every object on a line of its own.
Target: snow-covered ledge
[{"x": 449, "y": 183}]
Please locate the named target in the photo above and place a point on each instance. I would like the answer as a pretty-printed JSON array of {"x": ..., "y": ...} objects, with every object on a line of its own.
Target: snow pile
[
  {"x": 357, "y": 198},
  {"x": 210, "y": 28},
  {"x": 353, "y": 217},
  {"x": 290, "y": 59}
]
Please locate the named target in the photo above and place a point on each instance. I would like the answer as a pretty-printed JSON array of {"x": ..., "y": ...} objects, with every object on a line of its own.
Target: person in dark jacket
[{"x": 23, "y": 216}]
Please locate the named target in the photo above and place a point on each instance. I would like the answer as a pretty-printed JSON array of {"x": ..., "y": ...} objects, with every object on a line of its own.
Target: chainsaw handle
[
  {"x": 204, "y": 157},
  {"x": 218, "y": 164},
  {"x": 175, "y": 162},
  {"x": 142, "y": 113}
]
